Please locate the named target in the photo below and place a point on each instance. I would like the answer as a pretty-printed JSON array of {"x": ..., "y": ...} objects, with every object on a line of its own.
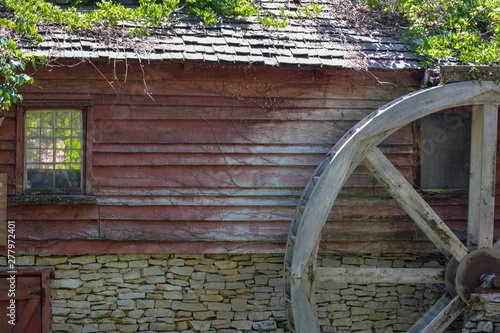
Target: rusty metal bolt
[
  {"x": 495, "y": 282},
  {"x": 490, "y": 280}
]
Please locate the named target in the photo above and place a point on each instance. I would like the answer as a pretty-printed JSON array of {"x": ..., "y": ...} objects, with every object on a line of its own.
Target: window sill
[{"x": 53, "y": 199}]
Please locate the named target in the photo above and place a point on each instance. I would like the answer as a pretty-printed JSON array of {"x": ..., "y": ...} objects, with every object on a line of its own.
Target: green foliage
[
  {"x": 467, "y": 31},
  {"x": 12, "y": 64}
]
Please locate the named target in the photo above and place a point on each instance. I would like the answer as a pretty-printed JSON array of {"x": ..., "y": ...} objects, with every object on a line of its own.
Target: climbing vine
[
  {"x": 464, "y": 31},
  {"x": 12, "y": 65}
]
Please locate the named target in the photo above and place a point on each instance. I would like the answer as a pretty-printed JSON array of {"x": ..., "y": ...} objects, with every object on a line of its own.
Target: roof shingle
[{"x": 324, "y": 41}]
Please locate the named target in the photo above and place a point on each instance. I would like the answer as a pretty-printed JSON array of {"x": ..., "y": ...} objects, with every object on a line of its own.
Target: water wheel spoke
[
  {"x": 305, "y": 320},
  {"x": 440, "y": 315},
  {"x": 482, "y": 176},
  {"x": 421, "y": 213},
  {"x": 367, "y": 275}
]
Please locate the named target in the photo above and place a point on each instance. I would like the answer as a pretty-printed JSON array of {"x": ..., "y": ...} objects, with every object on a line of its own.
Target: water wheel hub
[{"x": 472, "y": 268}]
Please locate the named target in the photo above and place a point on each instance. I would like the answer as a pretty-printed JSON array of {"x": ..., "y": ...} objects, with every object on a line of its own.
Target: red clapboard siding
[{"x": 215, "y": 159}]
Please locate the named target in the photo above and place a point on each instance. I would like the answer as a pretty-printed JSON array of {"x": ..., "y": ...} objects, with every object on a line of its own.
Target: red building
[{"x": 155, "y": 178}]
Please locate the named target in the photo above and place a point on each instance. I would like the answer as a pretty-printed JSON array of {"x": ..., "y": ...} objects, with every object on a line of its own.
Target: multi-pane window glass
[{"x": 54, "y": 155}]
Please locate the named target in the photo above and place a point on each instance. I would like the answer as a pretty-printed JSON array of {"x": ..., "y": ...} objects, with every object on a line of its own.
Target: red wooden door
[{"x": 27, "y": 315}]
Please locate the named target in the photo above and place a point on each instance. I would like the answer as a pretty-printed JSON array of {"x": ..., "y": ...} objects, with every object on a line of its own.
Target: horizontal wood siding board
[
  {"x": 144, "y": 148},
  {"x": 190, "y": 159},
  {"x": 231, "y": 111},
  {"x": 53, "y": 212},
  {"x": 250, "y": 213},
  {"x": 180, "y": 247},
  {"x": 179, "y": 73},
  {"x": 182, "y": 198},
  {"x": 369, "y": 247},
  {"x": 270, "y": 232},
  {"x": 228, "y": 131},
  {"x": 30, "y": 230},
  {"x": 224, "y": 176}
]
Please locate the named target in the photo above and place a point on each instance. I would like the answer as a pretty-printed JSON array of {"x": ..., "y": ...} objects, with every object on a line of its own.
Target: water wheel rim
[{"x": 359, "y": 144}]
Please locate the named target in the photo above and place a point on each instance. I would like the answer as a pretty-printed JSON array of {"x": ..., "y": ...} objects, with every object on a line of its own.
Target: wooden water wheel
[{"x": 466, "y": 261}]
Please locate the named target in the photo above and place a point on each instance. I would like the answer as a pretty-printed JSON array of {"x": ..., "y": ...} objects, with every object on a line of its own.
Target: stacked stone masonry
[
  {"x": 219, "y": 293},
  {"x": 483, "y": 314}
]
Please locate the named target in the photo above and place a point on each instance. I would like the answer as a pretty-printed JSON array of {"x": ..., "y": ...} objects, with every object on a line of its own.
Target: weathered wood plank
[
  {"x": 130, "y": 159},
  {"x": 209, "y": 87},
  {"x": 365, "y": 275},
  {"x": 220, "y": 158},
  {"x": 187, "y": 109},
  {"x": 203, "y": 231},
  {"x": 439, "y": 316},
  {"x": 176, "y": 72},
  {"x": 414, "y": 205},
  {"x": 393, "y": 247},
  {"x": 474, "y": 215},
  {"x": 482, "y": 179},
  {"x": 53, "y": 212},
  {"x": 417, "y": 105},
  {"x": 56, "y": 230},
  {"x": 107, "y": 246},
  {"x": 230, "y": 148},
  {"x": 201, "y": 176},
  {"x": 382, "y": 231},
  {"x": 222, "y": 176},
  {"x": 305, "y": 320},
  {"x": 227, "y": 131}
]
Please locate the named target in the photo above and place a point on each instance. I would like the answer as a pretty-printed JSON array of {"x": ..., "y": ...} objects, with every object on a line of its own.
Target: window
[
  {"x": 53, "y": 162},
  {"x": 445, "y": 150}
]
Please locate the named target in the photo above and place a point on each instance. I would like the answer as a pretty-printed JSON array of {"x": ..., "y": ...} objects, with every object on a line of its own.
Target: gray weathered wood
[
  {"x": 364, "y": 275},
  {"x": 421, "y": 213},
  {"x": 497, "y": 244},
  {"x": 486, "y": 98},
  {"x": 305, "y": 320},
  {"x": 439, "y": 316},
  {"x": 482, "y": 176},
  {"x": 475, "y": 176},
  {"x": 419, "y": 104}
]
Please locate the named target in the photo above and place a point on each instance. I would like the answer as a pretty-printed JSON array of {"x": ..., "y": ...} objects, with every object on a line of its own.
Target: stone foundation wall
[
  {"x": 377, "y": 307},
  {"x": 483, "y": 314},
  {"x": 218, "y": 293}
]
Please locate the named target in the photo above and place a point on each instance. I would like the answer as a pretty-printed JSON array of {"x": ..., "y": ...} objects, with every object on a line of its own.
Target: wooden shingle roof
[{"x": 326, "y": 41}]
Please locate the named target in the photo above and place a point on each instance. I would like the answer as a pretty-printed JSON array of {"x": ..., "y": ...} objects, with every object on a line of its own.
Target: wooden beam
[
  {"x": 420, "y": 212},
  {"x": 369, "y": 275},
  {"x": 482, "y": 176},
  {"x": 419, "y": 104},
  {"x": 439, "y": 316},
  {"x": 305, "y": 320},
  {"x": 475, "y": 176}
]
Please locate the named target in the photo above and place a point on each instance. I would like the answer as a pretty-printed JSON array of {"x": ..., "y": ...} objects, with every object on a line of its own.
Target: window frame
[
  {"x": 39, "y": 164},
  {"x": 87, "y": 135}
]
